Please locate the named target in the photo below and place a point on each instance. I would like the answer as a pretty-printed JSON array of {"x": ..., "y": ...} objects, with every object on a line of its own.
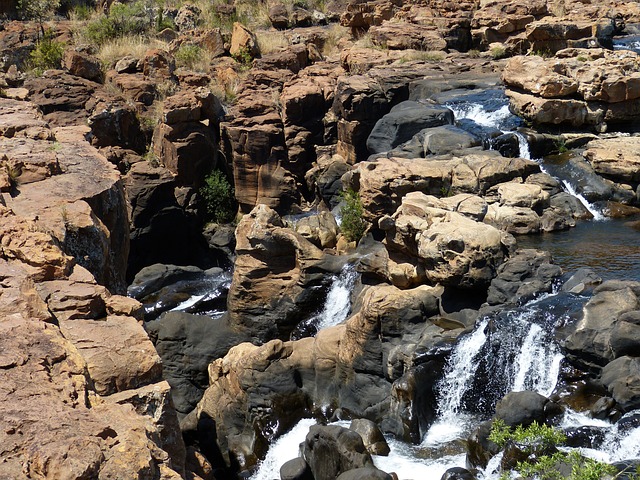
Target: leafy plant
[
  {"x": 561, "y": 145},
  {"x": 498, "y": 52},
  {"x": 244, "y": 57},
  {"x": 123, "y": 20},
  {"x": 188, "y": 55},
  {"x": 538, "y": 434},
  {"x": 218, "y": 195},
  {"x": 353, "y": 224},
  {"x": 47, "y": 54}
]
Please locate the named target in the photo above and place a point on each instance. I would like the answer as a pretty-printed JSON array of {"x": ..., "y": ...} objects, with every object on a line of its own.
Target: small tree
[
  {"x": 38, "y": 10},
  {"x": 353, "y": 224},
  {"x": 218, "y": 193}
]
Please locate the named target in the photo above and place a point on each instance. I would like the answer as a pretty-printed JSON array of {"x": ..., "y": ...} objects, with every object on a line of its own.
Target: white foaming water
[
  {"x": 597, "y": 215},
  {"x": 462, "y": 366},
  {"x": 538, "y": 363},
  {"x": 338, "y": 303},
  {"x": 403, "y": 461},
  {"x": 477, "y": 113},
  {"x": 523, "y": 145},
  {"x": 282, "y": 450}
]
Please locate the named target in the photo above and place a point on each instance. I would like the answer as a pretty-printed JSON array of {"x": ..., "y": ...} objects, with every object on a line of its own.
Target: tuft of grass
[
  {"x": 498, "y": 52},
  {"x": 270, "y": 41},
  {"x": 193, "y": 57},
  {"x": 335, "y": 33},
  {"x": 124, "y": 20},
  {"x": 423, "y": 56},
  {"x": 46, "y": 55},
  {"x": 134, "y": 45}
]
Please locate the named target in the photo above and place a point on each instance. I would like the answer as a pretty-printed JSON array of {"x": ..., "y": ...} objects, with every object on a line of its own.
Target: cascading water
[
  {"x": 337, "y": 305},
  {"x": 597, "y": 215}
]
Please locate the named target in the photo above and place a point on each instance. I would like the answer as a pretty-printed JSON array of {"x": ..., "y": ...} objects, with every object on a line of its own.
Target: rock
[
  {"x": 554, "y": 34},
  {"x": 442, "y": 241},
  {"x": 116, "y": 123},
  {"x": 583, "y": 278},
  {"x": 301, "y": 17},
  {"x": 615, "y": 158},
  {"x": 127, "y": 64},
  {"x": 321, "y": 229},
  {"x": 332, "y": 450},
  {"x": 523, "y": 276},
  {"x": 187, "y": 18},
  {"x": 187, "y": 345},
  {"x": 523, "y": 408},
  {"x": 275, "y": 276},
  {"x": 383, "y": 183},
  {"x": 571, "y": 90},
  {"x": 403, "y": 122},
  {"x": 403, "y": 36},
  {"x": 457, "y": 473},
  {"x": 603, "y": 325},
  {"x": 372, "y": 437},
  {"x": 82, "y": 65},
  {"x": 279, "y": 16},
  {"x": 361, "y": 16},
  {"x": 296, "y": 469},
  {"x": 158, "y": 64},
  {"x": 436, "y": 141},
  {"x": 135, "y": 86},
  {"x": 364, "y": 473},
  {"x": 243, "y": 42},
  {"x": 621, "y": 377},
  {"x": 480, "y": 449},
  {"x": 294, "y": 58}
]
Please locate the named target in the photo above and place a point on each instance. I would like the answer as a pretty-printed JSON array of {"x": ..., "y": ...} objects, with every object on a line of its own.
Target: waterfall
[
  {"x": 524, "y": 147},
  {"x": 338, "y": 303},
  {"x": 478, "y": 113},
  {"x": 597, "y": 215}
]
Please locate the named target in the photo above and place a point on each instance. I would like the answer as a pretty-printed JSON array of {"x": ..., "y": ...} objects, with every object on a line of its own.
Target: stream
[{"x": 513, "y": 350}]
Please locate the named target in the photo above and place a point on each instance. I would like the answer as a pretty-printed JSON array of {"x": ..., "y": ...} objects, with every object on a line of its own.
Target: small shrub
[
  {"x": 353, "y": 224},
  {"x": 123, "y": 20},
  {"x": 47, "y": 54},
  {"x": 218, "y": 196},
  {"x": 81, "y": 12},
  {"x": 473, "y": 53},
  {"x": 244, "y": 57},
  {"x": 38, "y": 10},
  {"x": 188, "y": 55},
  {"x": 498, "y": 52},
  {"x": 533, "y": 434}
]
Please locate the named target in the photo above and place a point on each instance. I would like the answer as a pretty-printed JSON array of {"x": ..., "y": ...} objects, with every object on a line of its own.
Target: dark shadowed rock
[
  {"x": 622, "y": 378},
  {"x": 372, "y": 437},
  {"x": 296, "y": 469},
  {"x": 523, "y": 408},
  {"x": 365, "y": 473},
  {"x": 457, "y": 473}
]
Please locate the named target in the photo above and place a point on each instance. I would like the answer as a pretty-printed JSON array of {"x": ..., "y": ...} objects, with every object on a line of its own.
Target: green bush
[
  {"x": 47, "y": 54},
  {"x": 123, "y": 19},
  {"x": 353, "y": 224},
  {"x": 188, "y": 55},
  {"x": 535, "y": 433},
  {"x": 218, "y": 196},
  {"x": 38, "y": 10}
]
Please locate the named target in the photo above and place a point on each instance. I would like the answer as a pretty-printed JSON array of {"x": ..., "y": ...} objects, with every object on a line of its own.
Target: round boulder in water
[
  {"x": 365, "y": 473},
  {"x": 372, "y": 437},
  {"x": 523, "y": 408},
  {"x": 457, "y": 473},
  {"x": 296, "y": 469}
]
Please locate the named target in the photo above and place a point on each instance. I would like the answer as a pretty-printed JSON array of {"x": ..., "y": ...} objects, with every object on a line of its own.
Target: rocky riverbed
[{"x": 317, "y": 249}]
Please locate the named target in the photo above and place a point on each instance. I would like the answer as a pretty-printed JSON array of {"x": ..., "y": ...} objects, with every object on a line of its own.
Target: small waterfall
[
  {"x": 597, "y": 215},
  {"x": 338, "y": 303},
  {"x": 477, "y": 113},
  {"x": 524, "y": 146}
]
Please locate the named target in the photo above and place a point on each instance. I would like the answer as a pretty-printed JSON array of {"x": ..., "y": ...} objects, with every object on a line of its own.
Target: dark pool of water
[{"x": 610, "y": 247}]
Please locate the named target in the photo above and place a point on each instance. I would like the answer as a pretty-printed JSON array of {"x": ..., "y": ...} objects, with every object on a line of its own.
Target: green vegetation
[
  {"x": 498, "y": 52},
  {"x": 536, "y": 438},
  {"x": 188, "y": 55},
  {"x": 244, "y": 57},
  {"x": 123, "y": 20},
  {"x": 46, "y": 55},
  {"x": 218, "y": 195},
  {"x": 353, "y": 223}
]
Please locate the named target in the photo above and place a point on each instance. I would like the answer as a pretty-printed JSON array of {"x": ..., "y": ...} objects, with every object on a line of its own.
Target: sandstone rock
[
  {"x": 294, "y": 58},
  {"x": 403, "y": 36},
  {"x": 27, "y": 160},
  {"x": 243, "y": 42},
  {"x": 276, "y": 276},
  {"x": 361, "y": 16},
  {"x": 372, "y": 437},
  {"x": 157, "y": 63},
  {"x": 187, "y": 18},
  {"x": 383, "y": 183},
  {"x": 332, "y": 450},
  {"x": 116, "y": 123},
  {"x": 615, "y": 158},
  {"x": 127, "y": 64},
  {"x": 321, "y": 230},
  {"x": 554, "y": 34},
  {"x": 279, "y": 16},
  {"x": 135, "y": 85},
  {"x": 82, "y": 65}
]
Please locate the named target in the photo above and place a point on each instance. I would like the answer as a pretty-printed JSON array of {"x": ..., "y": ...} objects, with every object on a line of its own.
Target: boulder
[
  {"x": 403, "y": 122},
  {"x": 457, "y": 473},
  {"x": 279, "y": 16},
  {"x": 296, "y": 469},
  {"x": 82, "y": 65},
  {"x": 622, "y": 378},
  {"x": 243, "y": 42},
  {"x": 616, "y": 159},
  {"x": 372, "y": 437},
  {"x": 187, "y": 18},
  {"x": 523, "y": 408},
  {"x": 436, "y": 141},
  {"x": 364, "y": 473},
  {"x": 404, "y": 36},
  {"x": 331, "y": 450},
  {"x": 321, "y": 229}
]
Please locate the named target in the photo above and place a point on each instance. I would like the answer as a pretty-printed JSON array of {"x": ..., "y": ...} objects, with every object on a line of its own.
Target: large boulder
[
  {"x": 524, "y": 408},
  {"x": 616, "y": 159},
  {"x": 622, "y": 378},
  {"x": 331, "y": 450}
]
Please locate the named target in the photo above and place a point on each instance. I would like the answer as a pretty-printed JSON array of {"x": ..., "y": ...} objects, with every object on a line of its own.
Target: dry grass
[
  {"x": 271, "y": 41},
  {"x": 118, "y": 48},
  {"x": 423, "y": 56},
  {"x": 193, "y": 58},
  {"x": 336, "y": 33}
]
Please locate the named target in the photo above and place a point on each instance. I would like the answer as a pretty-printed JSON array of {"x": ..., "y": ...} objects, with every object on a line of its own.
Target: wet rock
[
  {"x": 364, "y": 473},
  {"x": 584, "y": 278},
  {"x": 332, "y": 450},
  {"x": 525, "y": 275},
  {"x": 585, "y": 437},
  {"x": 479, "y": 448},
  {"x": 403, "y": 122},
  {"x": 523, "y": 408},
  {"x": 622, "y": 378},
  {"x": 457, "y": 473},
  {"x": 372, "y": 437},
  {"x": 296, "y": 469}
]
